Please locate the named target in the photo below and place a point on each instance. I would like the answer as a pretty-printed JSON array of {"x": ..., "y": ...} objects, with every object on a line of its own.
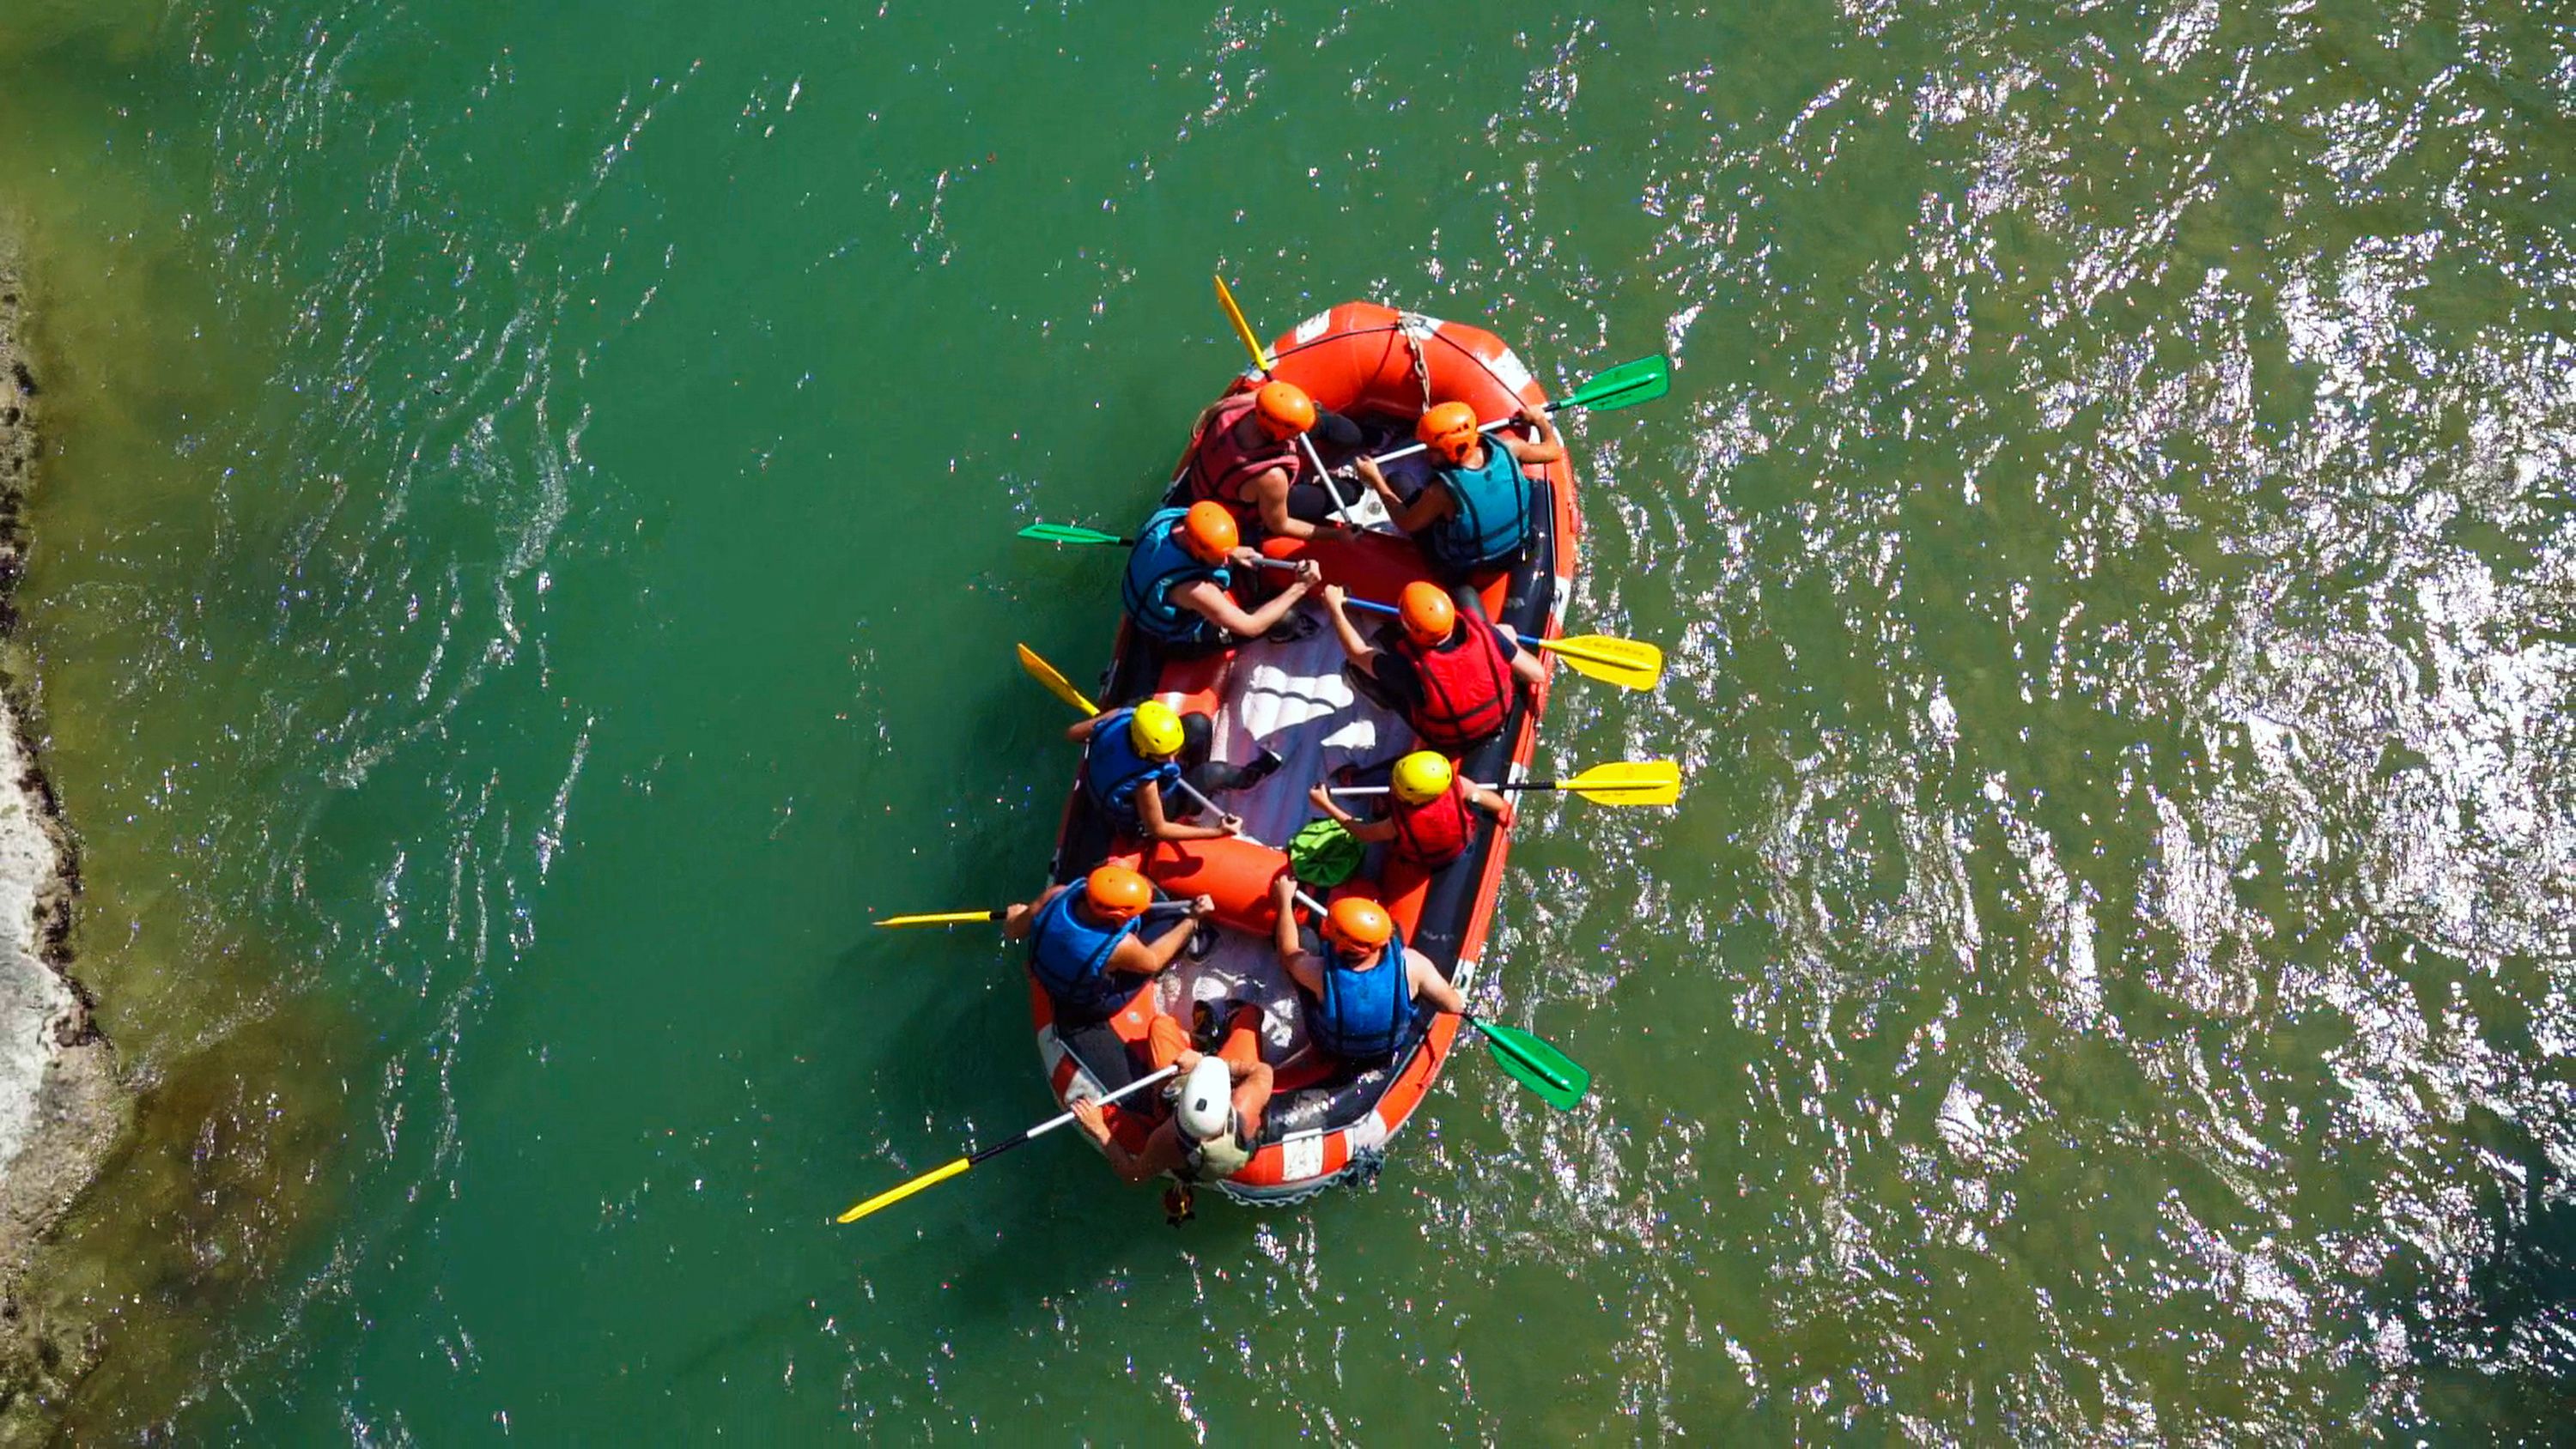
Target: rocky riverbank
[{"x": 62, "y": 1106}]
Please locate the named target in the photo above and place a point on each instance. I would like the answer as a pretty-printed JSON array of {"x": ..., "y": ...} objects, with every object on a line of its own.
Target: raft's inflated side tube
[{"x": 1358, "y": 358}]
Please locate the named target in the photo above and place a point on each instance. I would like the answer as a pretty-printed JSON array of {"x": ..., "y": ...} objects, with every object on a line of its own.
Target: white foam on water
[{"x": 31, "y": 995}]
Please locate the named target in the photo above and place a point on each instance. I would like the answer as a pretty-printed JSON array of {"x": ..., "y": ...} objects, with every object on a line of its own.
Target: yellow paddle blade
[
  {"x": 932, "y": 1178},
  {"x": 1057, "y": 685},
  {"x": 1242, "y": 329},
  {"x": 942, "y": 918},
  {"x": 1628, "y": 782},
  {"x": 1628, "y": 663}
]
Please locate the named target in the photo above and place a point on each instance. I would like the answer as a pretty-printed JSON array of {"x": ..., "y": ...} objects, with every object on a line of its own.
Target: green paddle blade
[
  {"x": 1626, "y": 385},
  {"x": 1535, "y": 1065},
  {"x": 1067, "y": 533}
]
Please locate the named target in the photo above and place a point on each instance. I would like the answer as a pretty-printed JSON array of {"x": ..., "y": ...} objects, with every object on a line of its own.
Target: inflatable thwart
[{"x": 1286, "y": 693}]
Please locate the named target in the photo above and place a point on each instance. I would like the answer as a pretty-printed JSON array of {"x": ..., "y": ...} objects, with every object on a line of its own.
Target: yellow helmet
[
  {"x": 1156, "y": 730},
  {"x": 1422, "y": 776}
]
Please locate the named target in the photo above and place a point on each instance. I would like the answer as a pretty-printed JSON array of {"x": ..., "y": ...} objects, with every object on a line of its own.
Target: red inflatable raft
[{"x": 1327, "y": 1123}]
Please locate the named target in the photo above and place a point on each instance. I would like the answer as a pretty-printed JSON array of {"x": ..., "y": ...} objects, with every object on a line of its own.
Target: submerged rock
[{"x": 62, "y": 1106}]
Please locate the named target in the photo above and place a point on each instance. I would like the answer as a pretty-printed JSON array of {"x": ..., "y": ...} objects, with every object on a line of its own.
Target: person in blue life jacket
[
  {"x": 1179, "y": 574},
  {"x": 1476, "y": 512},
  {"x": 1131, "y": 769},
  {"x": 1087, "y": 945},
  {"x": 1365, "y": 981}
]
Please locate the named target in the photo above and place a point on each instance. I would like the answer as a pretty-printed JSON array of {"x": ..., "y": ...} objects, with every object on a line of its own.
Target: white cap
[{"x": 1207, "y": 1099}]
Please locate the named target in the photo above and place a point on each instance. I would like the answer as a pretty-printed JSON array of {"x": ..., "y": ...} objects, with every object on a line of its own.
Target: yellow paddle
[
  {"x": 1626, "y": 782},
  {"x": 1261, "y": 362},
  {"x": 942, "y": 918},
  {"x": 1057, "y": 685},
  {"x": 945, "y": 1171},
  {"x": 1628, "y": 663}
]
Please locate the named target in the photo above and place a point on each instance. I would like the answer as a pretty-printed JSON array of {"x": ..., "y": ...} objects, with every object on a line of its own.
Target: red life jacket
[
  {"x": 1220, "y": 465},
  {"x": 1466, "y": 687},
  {"x": 1433, "y": 833}
]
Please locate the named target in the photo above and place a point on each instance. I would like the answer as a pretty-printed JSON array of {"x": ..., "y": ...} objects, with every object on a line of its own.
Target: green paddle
[
  {"x": 1624, "y": 386},
  {"x": 1534, "y": 1064}
]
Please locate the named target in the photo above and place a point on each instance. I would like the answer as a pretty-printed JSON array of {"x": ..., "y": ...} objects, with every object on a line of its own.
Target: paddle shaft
[
  {"x": 1309, "y": 902},
  {"x": 1374, "y": 607},
  {"x": 1409, "y": 449},
  {"x": 942, "y": 1173}
]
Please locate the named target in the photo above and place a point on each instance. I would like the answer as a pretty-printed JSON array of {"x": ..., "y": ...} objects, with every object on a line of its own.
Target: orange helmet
[
  {"x": 1284, "y": 409},
  {"x": 1117, "y": 893},
  {"x": 1427, "y": 613},
  {"x": 1209, "y": 532},
  {"x": 1449, "y": 430},
  {"x": 1359, "y": 923}
]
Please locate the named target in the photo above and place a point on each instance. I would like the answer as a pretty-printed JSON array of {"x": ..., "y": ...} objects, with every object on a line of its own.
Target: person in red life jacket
[
  {"x": 1446, "y": 669},
  {"x": 1086, "y": 941},
  {"x": 1426, "y": 823},
  {"x": 1244, "y": 454},
  {"x": 1178, "y": 577},
  {"x": 1476, "y": 512},
  {"x": 1364, "y": 980}
]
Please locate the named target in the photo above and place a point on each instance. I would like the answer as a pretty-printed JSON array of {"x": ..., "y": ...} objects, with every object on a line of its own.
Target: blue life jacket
[
  {"x": 1070, "y": 958},
  {"x": 1489, "y": 515},
  {"x": 1111, "y": 770},
  {"x": 1158, "y": 566},
  {"x": 1364, "y": 1016}
]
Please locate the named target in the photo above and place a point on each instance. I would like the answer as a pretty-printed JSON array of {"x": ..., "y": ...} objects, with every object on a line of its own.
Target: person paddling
[
  {"x": 1244, "y": 454},
  {"x": 1363, "y": 983},
  {"x": 1131, "y": 757},
  {"x": 1446, "y": 669},
  {"x": 1216, "y": 1117},
  {"x": 1178, "y": 575},
  {"x": 1087, "y": 946},
  {"x": 1476, "y": 512},
  {"x": 1426, "y": 824}
]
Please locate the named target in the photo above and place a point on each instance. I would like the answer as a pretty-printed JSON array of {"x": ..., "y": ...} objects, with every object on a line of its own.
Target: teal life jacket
[
  {"x": 1158, "y": 566},
  {"x": 1365, "y": 1016},
  {"x": 1489, "y": 514},
  {"x": 1070, "y": 958},
  {"x": 1112, "y": 769}
]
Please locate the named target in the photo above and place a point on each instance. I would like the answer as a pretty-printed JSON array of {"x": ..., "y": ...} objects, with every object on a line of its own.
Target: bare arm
[
  {"x": 1547, "y": 448},
  {"x": 1359, "y": 649},
  {"x": 1283, "y": 901},
  {"x": 1135, "y": 957},
  {"x": 1525, "y": 663},
  {"x": 1162, "y": 1150},
  {"x": 1364, "y": 830},
  {"x": 1081, "y": 729},
  {"x": 1159, "y": 826},
  {"x": 1493, "y": 803},
  {"x": 1427, "y": 508},
  {"x": 1429, "y": 984},
  {"x": 1219, "y": 608},
  {"x": 1016, "y": 919},
  {"x": 1271, "y": 490}
]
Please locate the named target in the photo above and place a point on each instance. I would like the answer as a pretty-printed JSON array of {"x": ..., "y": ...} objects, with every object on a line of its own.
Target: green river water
[{"x": 525, "y": 575}]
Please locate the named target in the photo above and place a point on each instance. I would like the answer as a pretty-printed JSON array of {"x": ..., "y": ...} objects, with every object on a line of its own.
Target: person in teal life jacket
[
  {"x": 1178, "y": 576},
  {"x": 1087, "y": 946},
  {"x": 1443, "y": 665},
  {"x": 1426, "y": 823},
  {"x": 1244, "y": 454},
  {"x": 1364, "y": 982},
  {"x": 1476, "y": 512},
  {"x": 1131, "y": 769}
]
